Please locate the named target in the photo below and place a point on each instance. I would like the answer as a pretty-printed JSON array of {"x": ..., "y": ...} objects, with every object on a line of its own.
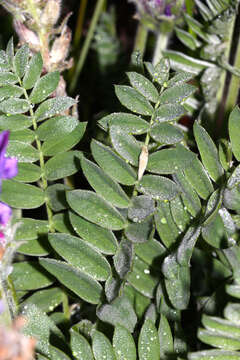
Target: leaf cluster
[{"x": 121, "y": 247}]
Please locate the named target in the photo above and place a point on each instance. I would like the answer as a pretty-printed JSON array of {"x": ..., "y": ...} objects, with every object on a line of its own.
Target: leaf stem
[
  {"x": 43, "y": 183},
  {"x": 86, "y": 45}
]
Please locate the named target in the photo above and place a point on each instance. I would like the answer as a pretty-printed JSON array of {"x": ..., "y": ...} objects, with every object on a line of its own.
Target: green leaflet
[
  {"x": 166, "y": 134},
  {"x": 133, "y": 100},
  {"x": 141, "y": 279},
  {"x": 81, "y": 284},
  {"x": 15, "y": 122},
  {"x": 150, "y": 252},
  {"x": 57, "y": 126},
  {"x": 165, "y": 338},
  {"x": 214, "y": 354},
  {"x": 21, "y": 196},
  {"x": 40, "y": 326},
  {"x": 148, "y": 342},
  {"x": 44, "y": 87},
  {"x": 182, "y": 62},
  {"x": 80, "y": 347},
  {"x": 20, "y": 60},
  {"x": 93, "y": 208},
  {"x": 198, "y": 178},
  {"x": 125, "y": 145},
  {"x": 14, "y": 106},
  {"x": 81, "y": 255},
  {"x": 169, "y": 112},
  {"x": 33, "y": 71},
  {"x": 102, "y": 348},
  {"x": 123, "y": 344},
  {"x": 112, "y": 164},
  {"x": 28, "y": 172},
  {"x": 23, "y": 152},
  {"x": 8, "y": 91},
  {"x": 28, "y": 275},
  {"x": 8, "y": 78},
  {"x": 141, "y": 207},
  {"x": 143, "y": 86},
  {"x": 129, "y": 123},
  {"x": 53, "y": 107},
  {"x": 100, "y": 238},
  {"x": 169, "y": 161},
  {"x": 177, "y": 282},
  {"x": 158, "y": 187},
  {"x": 60, "y": 143},
  {"x": 62, "y": 165},
  {"x": 166, "y": 227},
  {"x": 187, "y": 39},
  {"x": 208, "y": 152},
  {"x": 100, "y": 181},
  {"x": 123, "y": 259},
  {"x": 117, "y": 312},
  {"x": 46, "y": 299},
  {"x": 177, "y": 93}
]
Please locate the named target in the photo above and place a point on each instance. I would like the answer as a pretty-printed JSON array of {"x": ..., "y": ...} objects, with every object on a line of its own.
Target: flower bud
[
  {"x": 27, "y": 36},
  {"x": 153, "y": 11},
  {"x": 51, "y": 13},
  {"x": 60, "y": 47}
]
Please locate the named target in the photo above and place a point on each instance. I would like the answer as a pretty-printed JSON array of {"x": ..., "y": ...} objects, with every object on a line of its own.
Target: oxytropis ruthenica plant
[{"x": 119, "y": 180}]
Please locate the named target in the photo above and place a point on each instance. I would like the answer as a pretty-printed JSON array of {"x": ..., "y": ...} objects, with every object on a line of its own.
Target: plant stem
[
  {"x": 234, "y": 84},
  {"x": 220, "y": 112},
  {"x": 79, "y": 25},
  {"x": 141, "y": 38},
  {"x": 43, "y": 36},
  {"x": 86, "y": 45},
  {"x": 161, "y": 44}
]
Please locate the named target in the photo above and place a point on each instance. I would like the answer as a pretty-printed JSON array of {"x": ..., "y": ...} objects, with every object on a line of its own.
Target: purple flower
[
  {"x": 8, "y": 169},
  {"x": 8, "y": 166},
  {"x": 5, "y": 213},
  {"x": 167, "y": 10},
  {"x": 157, "y": 10}
]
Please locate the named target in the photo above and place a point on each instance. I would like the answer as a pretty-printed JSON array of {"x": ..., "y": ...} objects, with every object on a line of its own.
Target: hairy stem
[
  {"x": 43, "y": 36},
  {"x": 141, "y": 39},
  {"x": 161, "y": 44}
]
